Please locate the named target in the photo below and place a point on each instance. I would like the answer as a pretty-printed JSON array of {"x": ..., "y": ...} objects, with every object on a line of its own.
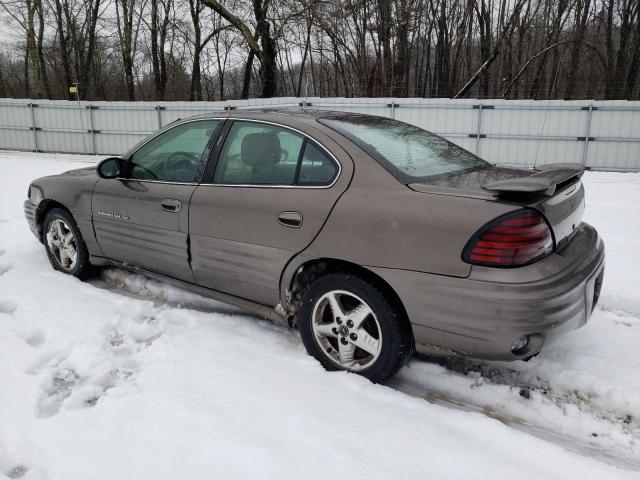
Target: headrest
[{"x": 260, "y": 149}]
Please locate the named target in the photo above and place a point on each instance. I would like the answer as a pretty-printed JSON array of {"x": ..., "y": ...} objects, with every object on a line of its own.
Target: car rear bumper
[
  {"x": 30, "y": 215},
  {"x": 480, "y": 316}
]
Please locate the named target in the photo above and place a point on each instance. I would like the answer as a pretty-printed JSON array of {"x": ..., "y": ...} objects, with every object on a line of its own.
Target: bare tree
[
  {"x": 159, "y": 27},
  {"x": 204, "y": 49},
  {"x": 128, "y": 17},
  {"x": 77, "y": 23},
  {"x": 27, "y": 16}
]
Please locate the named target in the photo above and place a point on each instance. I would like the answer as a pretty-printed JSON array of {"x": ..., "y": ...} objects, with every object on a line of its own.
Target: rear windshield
[{"x": 408, "y": 152}]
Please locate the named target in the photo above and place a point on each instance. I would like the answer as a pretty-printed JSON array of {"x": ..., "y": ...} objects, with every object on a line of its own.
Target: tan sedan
[{"x": 374, "y": 237}]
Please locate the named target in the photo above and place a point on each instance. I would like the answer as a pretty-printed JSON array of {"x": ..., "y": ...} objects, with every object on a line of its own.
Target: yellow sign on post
[{"x": 73, "y": 89}]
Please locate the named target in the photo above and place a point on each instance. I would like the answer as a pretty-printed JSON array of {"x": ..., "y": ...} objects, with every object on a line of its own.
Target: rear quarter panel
[{"x": 403, "y": 229}]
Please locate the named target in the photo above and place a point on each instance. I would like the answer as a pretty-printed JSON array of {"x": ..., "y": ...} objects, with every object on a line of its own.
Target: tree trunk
[
  {"x": 581, "y": 16},
  {"x": 40, "y": 49},
  {"x": 484, "y": 20},
  {"x": 400, "y": 66},
  {"x": 125, "y": 34},
  {"x": 156, "y": 55},
  {"x": 621, "y": 61},
  {"x": 196, "y": 77},
  {"x": 384, "y": 36},
  {"x": 634, "y": 63},
  {"x": 248, "y": 69},
  {"x": 32, "y": 52},
  {"x": 26, "y": 83},
  {"x": 64, "y": 49},
  {"x": 304, "y": 56},
  {"x": 268, "y": 67}
]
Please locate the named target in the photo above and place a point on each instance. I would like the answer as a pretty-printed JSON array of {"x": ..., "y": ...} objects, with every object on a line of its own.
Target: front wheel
[
  {"x": 63, "y": 241},
  {"x": 348, "y": 323}
]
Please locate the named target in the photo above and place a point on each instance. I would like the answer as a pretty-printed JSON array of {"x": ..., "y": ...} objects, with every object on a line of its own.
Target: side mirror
[{"x": 110, "y": 167}]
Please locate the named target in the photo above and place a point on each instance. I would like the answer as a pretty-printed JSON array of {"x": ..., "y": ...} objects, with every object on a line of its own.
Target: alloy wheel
[
  {"x": 62, "y": 244},
  {"x": 347, "y": 330}
]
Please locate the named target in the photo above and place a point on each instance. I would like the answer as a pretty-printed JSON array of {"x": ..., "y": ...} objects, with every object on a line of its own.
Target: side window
[
  {"x": 175, "y": 155},
  {"x": 262, "y": 154},
  {"x": 258, "y": 154},
  {"x": 316, "y": 168}
]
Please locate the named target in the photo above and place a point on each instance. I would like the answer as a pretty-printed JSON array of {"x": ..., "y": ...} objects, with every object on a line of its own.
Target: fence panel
[{"x": 602, "y": 135}]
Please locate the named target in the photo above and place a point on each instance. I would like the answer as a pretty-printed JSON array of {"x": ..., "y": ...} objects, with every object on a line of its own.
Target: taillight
[{"x": 512, "y": 240}]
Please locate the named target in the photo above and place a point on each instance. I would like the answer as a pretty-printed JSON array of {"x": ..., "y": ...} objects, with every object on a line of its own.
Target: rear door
[
  {"x": 271, "y": 191},
  {"x": 142, "y": 219}
]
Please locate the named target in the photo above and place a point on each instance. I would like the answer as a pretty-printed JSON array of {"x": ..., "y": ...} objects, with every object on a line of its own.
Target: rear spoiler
[{"x": 544, "y": 180}]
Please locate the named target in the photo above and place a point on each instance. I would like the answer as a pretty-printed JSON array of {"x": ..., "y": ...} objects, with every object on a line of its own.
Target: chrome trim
[
  {"x": 241, "y": 185},
  {"x": 155, "y": 181}
]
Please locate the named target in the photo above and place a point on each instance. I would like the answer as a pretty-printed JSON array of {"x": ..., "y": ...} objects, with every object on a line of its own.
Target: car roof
[
  {"x": 277, "y": 115},
  {"x": 293, "y": 117}
]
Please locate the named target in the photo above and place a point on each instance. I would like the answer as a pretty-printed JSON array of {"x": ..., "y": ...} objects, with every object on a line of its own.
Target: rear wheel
[
  {"x": 347, "y": 323},
  {"x": 63, "y": 241}
]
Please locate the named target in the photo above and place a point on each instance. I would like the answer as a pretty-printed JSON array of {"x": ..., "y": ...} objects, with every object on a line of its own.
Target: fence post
[
  {"x": 33, "y": 128},
  {"x": 586, "y": 135},
  {"x": 393, "y": 107},
  {"x": 479, "y": 129},
  {"x": 93, "y": 132},
  {"x": 158, "y": 109}
]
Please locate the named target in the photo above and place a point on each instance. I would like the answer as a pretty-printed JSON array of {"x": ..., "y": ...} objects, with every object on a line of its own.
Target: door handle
[
  {"x": 171, "y": 205},
  {"x": 290, "y": 219}
]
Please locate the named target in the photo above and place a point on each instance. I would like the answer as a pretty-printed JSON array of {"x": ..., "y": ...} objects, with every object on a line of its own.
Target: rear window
[{"x": 408, "y": 152}]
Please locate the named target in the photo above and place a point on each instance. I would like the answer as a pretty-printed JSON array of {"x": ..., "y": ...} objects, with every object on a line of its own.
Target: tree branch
[
  {"x": 496, "y": 50},
  {"x": 237, "y": 23},
  {"x": 521, "y": 71}
]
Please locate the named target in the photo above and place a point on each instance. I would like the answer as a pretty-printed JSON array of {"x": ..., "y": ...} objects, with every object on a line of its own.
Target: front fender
[{"x": 71, "y": 190}]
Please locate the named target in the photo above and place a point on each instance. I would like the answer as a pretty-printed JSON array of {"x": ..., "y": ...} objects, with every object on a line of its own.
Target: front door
[
  {"x": 272, "y": 190},
  {"x": 142, "y": 219}
]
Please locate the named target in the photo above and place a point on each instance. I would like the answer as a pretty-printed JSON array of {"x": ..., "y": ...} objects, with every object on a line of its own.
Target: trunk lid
[{"x": 556, "y": 191}]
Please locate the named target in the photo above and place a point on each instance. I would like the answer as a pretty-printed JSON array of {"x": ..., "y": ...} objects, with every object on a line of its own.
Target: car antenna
[{"x": 546, "y": 111}]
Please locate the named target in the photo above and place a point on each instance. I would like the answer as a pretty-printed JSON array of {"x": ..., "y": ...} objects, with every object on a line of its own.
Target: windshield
[{"x": 408, "y": 152}]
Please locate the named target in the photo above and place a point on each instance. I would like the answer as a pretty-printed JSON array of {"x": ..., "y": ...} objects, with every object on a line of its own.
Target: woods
[{"x": 226, "y": 49}]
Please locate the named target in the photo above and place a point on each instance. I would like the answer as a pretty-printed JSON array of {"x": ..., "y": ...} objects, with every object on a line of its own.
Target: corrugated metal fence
[{"x": 600, "y": 134}]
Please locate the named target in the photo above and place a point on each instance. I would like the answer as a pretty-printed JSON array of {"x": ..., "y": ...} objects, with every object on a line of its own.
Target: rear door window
[
  {"x": 263, "y": 154},
  {"x": 316, "y": 168}
]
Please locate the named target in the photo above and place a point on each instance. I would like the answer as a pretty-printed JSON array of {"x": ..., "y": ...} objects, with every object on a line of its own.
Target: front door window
[{"x": 176, "y": 155}]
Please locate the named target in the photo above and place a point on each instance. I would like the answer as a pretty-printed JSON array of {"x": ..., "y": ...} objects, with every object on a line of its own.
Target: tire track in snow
[
  {"x": 588, "y": 444},
  {"x": 580, "y": 446},
  {"x": 505, "y": 391}
]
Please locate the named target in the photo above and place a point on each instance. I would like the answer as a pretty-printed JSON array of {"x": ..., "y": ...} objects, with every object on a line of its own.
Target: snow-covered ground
[{"x": 127, "y": 378}]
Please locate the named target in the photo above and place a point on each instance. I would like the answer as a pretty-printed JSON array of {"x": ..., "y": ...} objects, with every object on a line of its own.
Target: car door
[
  {"x": 268, "y": 197},
  {"x": 142, "y": 218}
]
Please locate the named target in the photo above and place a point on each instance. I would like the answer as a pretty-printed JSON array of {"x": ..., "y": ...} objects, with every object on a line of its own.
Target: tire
[
  {"x": 67, "y": 253},
  {"x": 383, "y": 340}
]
